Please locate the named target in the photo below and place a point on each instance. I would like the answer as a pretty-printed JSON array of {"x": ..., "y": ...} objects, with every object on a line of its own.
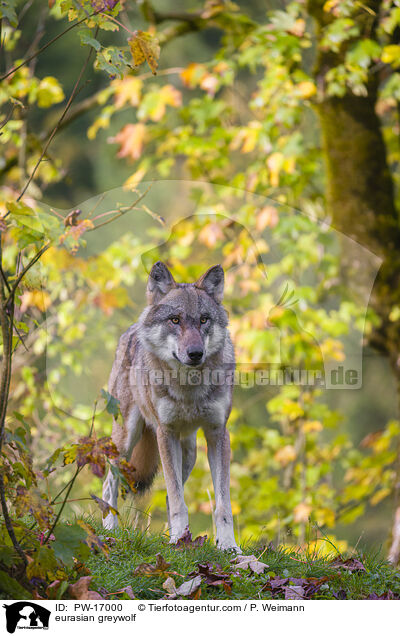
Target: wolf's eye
[
  {"x": 175, "y": 320},
  {"x": 204, "y": 319}
]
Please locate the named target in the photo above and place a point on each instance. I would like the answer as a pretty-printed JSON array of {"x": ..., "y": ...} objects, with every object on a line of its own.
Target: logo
[{"x": 26, "y": 615}]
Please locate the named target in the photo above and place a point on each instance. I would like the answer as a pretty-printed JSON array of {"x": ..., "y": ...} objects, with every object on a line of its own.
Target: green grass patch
[{"x": 289, "y": 571}]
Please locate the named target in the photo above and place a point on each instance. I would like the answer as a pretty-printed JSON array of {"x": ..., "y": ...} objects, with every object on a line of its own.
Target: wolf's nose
[{"x": 195, "y": 354}]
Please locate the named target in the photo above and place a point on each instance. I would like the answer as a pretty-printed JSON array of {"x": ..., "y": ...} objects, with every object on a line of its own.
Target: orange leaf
[{"x": 131, "y": 139}]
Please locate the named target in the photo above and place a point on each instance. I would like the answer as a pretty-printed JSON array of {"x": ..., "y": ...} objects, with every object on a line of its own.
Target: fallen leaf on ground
[
  {"x": 169, "y": 586},
  {"x": 126, "y": 590},
  {"x": 294, "y": 592},
  {"x": 351, "y": 565},
  {"x": 294, "y": 587},
  {"x": 214, "y": 576},
  {"x": 250, "y": 562},
  {"x": 189, "y": 587},
  {"x": 186, "y": 541},
  {"x": 80, "y": 590},
  {"x": 148, "y": 569}
]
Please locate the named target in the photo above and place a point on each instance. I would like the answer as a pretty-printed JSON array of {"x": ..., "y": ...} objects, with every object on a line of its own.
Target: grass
[{"x": 320, "y": 577}]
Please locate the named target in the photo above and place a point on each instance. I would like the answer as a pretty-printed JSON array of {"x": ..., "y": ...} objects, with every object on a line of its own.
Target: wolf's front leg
[
  {"x": 170, "y": 450},
  {"x": 110, "y": 495},
  {"x": 125, "y": 436},
  {"x": 218, "y": 451}
]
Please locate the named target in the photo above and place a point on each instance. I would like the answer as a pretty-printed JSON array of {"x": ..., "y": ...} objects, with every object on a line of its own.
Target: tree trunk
[{"x": 360, "y": 192}]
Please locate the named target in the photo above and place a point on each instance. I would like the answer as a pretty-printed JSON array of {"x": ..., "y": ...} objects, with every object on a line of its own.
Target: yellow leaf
[
  {"x": 391, "y": 55},
  {"x": 298, "y": 28},
  {"x": 127, "y": 90},
  {"x": 192, "y": 74},
  {"x": 144, "y": 47},
  {"x": 40, "y": 300},
  {"x": 306, "y": 89},
  {"x": 274, "y": 163},
  {"x": 134, "y": 179},
  {"x": 285, "y": 455},
  {"x": 312, "y": 426},
  {"x": 378, "y": 496},
  {"x": 49, "y": 92}
]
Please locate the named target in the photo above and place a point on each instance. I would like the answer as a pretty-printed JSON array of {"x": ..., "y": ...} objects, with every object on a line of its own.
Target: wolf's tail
[{"x": 145, "y": 459}]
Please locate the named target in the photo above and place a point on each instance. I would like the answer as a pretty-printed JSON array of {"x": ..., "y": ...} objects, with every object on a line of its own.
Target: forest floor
[{"x": 144, "y": 566}]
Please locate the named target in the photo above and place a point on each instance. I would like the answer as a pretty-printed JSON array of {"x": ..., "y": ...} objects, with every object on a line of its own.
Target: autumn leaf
[
  {"x": 170, "y": 587},
  {"x": 128, "y": 591},
  {"x": 351, "y": 565},
  {"x": 43, "y": 565},
  {"x": 144, "y": 47},
  {"x": 92, "y": 539},
  {"x": 155, "y": 102},
  {"x": 104, "y": 506},
  {"x": 131, "y": 139},
  {"x": 148, "y": 569},
  {"x": 250, "y": 562},
  {"x": 189, "y": 587},
  {"x": 93, "y": 452},
  {"x": 127, "y": 91},
  {"x": 72, "y": 218},
  {"x": 285, "y": 455},
  {"x": 80, "y": 590},
  {"x": 266, "y": 217},
  {"x": 33, "y": 502},
  {"x": 186, "y": 541},
  {"x": 35, "y": 298}
]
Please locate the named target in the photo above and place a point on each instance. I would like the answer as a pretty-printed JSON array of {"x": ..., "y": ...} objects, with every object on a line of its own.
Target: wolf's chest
[{"x": 184, "y": 417}]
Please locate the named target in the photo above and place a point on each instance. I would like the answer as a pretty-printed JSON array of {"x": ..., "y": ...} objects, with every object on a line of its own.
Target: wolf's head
[{"x": 185, "y": 322}]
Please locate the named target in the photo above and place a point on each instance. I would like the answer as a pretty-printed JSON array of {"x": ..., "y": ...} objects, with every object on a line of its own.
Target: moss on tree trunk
[{"x": 359, "y": 188}]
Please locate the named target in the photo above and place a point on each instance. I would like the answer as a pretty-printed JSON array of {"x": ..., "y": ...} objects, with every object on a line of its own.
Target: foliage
[{"x": 190, "y": 122}]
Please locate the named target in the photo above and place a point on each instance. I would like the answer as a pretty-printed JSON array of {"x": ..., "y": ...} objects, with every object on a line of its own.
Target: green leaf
[
  {"x": 11, "y": 588},
  {"x": 112, "y": 404},
  {"x": 70, "y": 543},
  {"x": 7, "y": 555},
  {"x": 7, "y": 10},
  {"x": 86, "y": 38}
]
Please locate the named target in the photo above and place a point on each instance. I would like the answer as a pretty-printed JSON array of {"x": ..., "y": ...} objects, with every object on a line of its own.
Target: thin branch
[
  {"x": 121, "y": 211},
  {"x": 8, "y": 117},
  {"x": 4, "y": 277},
  {"x": 56, "y": 127},
  {"x": 50, "y": 532},
  {"x": 21, "y": 339},
  {"x": 27, "y": 268},
  {"x": 44, "y": 47},
  {"x": 8, "y": 523}
]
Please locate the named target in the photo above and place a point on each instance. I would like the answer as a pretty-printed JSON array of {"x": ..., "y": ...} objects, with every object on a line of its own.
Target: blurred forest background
[{"x": 268, "y": 140}]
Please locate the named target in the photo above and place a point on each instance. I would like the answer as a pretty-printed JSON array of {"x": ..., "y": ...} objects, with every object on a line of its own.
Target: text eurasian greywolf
[{"x": 172, "y": 375}]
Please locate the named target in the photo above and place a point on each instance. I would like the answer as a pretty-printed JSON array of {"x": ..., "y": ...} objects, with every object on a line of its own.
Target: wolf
[{"x": 173, "y": 374}]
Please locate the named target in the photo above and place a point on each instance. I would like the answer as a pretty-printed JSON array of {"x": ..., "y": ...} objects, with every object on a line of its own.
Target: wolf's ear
[
  {"x": 160, "y": 282},
  {"x": 212, "y": 282}
]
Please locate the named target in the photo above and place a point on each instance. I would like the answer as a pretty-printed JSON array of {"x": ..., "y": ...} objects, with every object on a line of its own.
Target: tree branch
[
  {"x": 44, "y": 47},
  {"x": 56, "y": 127}
]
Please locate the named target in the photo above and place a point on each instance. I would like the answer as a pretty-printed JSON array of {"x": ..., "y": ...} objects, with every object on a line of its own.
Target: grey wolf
[{"x": 172, "y": 375}]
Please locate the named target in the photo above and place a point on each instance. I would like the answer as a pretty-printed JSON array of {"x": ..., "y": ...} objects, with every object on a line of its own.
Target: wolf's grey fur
[{"x": 182, "y": 331}]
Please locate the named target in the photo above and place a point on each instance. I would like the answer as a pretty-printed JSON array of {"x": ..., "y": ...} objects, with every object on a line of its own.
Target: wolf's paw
[
  {"x": 181, "y": 535},
  {"x": 228, "y": 545},
  {"x": 110, "y": 522}
]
